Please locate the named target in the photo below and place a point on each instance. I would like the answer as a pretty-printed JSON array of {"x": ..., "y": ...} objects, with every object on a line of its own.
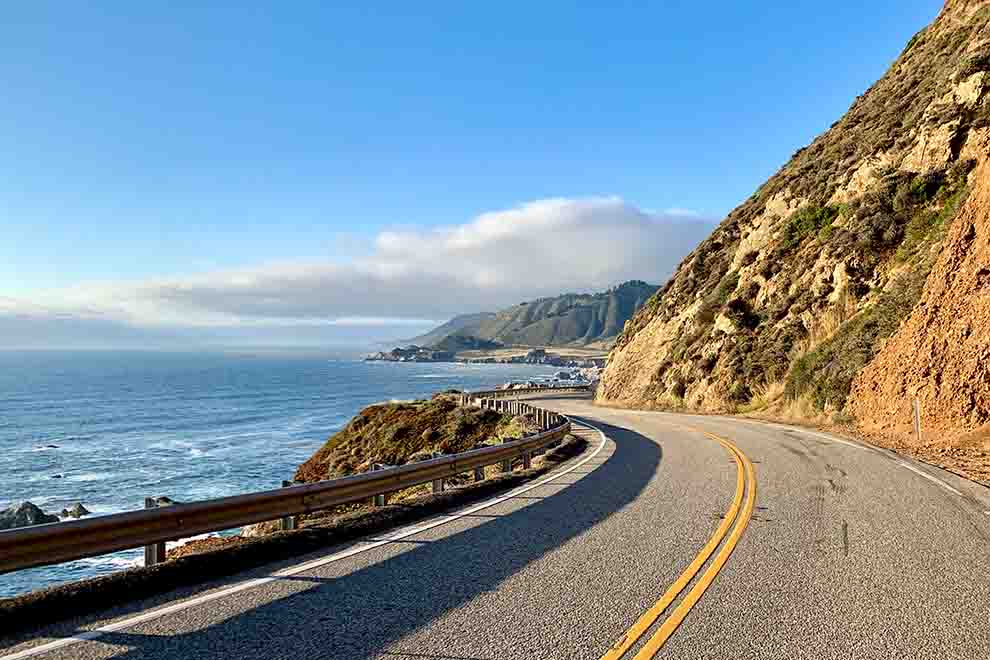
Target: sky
[{"x": 321, "y": 172}]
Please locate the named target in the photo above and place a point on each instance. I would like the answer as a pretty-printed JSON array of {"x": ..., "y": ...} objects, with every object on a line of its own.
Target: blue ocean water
[{"x": 130, "y": 425}]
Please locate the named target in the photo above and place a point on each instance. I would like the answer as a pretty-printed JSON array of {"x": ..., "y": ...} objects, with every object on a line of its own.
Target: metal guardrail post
[
  {"x": 154, "y": 553},
  {"x": 381, "y": 499},
  {"x": 287, "y": 523},
  {"x": 479, "y": 474},
  {"x": 506, "y": 466},
  {"x": 437, "y": 483},
  {"x": 527, "y": 460}
]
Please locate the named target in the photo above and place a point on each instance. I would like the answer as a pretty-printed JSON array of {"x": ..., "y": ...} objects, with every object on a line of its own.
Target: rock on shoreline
[
  {"x": 24, "y": 514},
  {"x": 77, "y": 510}
]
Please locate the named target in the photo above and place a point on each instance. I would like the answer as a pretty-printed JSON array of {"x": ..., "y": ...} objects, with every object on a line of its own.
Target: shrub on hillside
[
  {"x": 826, "y": 374},
  {"x": 806, "y": 221}
]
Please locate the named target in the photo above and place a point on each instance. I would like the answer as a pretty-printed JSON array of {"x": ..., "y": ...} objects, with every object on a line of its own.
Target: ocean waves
[{"x": 187, "y": 427}]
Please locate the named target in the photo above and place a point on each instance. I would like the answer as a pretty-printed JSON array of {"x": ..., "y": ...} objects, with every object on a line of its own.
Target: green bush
[
  {"x": 827, "y": 372},
  {"x": 928, "y": 223},
  {"x": 974, "y": 64},
  {"x": 725, "y": 287},
  {"x": 916, "y": 232},
  {"x": 717, "y": 298},
  {"x": 807, "y": 220},
  {"x": 739, "y": 392},
  {"x": 739, "y": 311}
]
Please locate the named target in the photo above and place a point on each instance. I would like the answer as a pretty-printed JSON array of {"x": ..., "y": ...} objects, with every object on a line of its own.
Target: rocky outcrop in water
[
  {"x": 77, "y": 510},
  {"x": 24, "y": 514}
]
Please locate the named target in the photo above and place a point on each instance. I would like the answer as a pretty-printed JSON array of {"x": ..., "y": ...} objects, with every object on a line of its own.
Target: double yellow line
[{"x": 745, "y": 486}]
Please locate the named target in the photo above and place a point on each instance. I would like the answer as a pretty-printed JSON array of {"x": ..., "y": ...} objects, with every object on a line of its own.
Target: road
[{"x": 849, "y": 552}]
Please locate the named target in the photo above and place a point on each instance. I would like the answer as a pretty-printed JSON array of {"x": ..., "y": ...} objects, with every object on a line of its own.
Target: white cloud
[
  {"x": 683, "y": 213},
  {"x": 498, "y": 259}
]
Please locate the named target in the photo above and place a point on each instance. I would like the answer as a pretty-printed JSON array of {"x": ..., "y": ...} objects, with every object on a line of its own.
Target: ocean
[{"x": 110, "y": 428}]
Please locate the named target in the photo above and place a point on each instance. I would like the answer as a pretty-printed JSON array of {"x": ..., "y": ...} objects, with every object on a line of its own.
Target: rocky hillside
[
  {"x": 941, "y": 353},
  {"x": 572, "y": 319},
  {"x": 802, "y": 285},
  {"x": 398, "y": 433}
]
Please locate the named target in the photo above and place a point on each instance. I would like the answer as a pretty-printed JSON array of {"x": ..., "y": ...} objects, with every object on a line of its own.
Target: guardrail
[
  {"x": 468, "y": 397},
  {"x": 54, "y": 543}
]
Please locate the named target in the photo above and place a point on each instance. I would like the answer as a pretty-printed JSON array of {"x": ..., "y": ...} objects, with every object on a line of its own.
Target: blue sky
[{"x": 145, "y": 141}]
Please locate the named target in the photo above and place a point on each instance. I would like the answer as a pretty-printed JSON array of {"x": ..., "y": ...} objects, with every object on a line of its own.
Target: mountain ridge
[{"x": 570, "y": 319}]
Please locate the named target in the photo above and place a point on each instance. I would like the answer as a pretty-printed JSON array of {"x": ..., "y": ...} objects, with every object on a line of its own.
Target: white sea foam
[
  {"x": 89, "y": 476},
  {"x": 110, "y": 561}
]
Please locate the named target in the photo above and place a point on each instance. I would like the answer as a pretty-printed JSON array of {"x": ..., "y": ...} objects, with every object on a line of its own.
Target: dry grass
[
  {"x": 764, "y": 396},
  {"x": 826, "y": 325}
]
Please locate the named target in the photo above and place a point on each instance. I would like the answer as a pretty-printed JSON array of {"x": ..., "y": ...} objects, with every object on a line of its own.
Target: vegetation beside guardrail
[
  {"x": 66, "y": 541},
  {"x": 194, "y": 573}
]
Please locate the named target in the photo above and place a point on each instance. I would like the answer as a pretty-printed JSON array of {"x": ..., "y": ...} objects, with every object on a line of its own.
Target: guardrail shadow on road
[{"x": 358, "y": 614}]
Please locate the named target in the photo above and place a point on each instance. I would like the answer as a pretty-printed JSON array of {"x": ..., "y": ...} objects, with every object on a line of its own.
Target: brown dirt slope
[
  {"x": 800, "y": 286},
  {"x": 941, "y": 353}
]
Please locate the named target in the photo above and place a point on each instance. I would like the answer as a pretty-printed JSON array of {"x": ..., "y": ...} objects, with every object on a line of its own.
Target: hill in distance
[
  {"x": 457, "y": 342},
  {"x": 571, "y": 319},
  {"x": 798, "y": 303},
  {"x": 453, "y": 326}
]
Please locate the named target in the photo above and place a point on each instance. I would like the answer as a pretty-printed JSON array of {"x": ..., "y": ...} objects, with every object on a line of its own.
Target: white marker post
[{"x": 917, "y": 419}]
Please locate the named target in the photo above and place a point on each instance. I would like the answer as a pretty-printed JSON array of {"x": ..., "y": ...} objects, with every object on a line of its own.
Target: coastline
[
  {"x": 187, "y": 426},
  {"x": 567, "y": 357}
]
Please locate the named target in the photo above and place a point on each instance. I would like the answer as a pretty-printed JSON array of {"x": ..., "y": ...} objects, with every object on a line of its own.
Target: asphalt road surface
[{"x": 840, "y": 551}]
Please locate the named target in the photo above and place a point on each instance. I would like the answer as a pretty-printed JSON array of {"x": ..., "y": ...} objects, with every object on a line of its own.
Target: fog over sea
[{"x": 110, "y": 428}]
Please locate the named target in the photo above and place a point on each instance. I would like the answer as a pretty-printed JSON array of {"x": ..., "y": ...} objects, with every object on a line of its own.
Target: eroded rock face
[
  {"x": 828, "y": 238},
  {"x": 941, "y": 354},
  {"x": 24, "y": 514}
]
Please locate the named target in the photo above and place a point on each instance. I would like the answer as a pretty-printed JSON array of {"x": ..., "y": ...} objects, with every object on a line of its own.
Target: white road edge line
[
  {"x": 918, "y": 471},
  {"x": 930, "y": 478},
  {"x": 903, "y": 464},
  {"x": 832, "y": 438},
  {"x": 402, "y": 533}
]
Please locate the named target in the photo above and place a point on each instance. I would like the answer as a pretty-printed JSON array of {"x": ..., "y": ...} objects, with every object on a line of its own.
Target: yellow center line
[
  {"x": 668, "y": 627},
  {"x": 744, "y": 473},
  {"x": 651, "y": 615}
]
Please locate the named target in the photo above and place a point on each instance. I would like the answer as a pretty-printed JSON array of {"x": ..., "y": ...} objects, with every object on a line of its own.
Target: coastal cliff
[{"x": 863, "y": 236}]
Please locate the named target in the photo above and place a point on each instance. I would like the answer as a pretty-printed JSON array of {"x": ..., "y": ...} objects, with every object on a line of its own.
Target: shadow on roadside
[{"x": 359, "y": 614}]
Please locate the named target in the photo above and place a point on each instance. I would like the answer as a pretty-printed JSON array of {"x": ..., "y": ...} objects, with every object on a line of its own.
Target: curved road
[{"x": 850, "y": 552}]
